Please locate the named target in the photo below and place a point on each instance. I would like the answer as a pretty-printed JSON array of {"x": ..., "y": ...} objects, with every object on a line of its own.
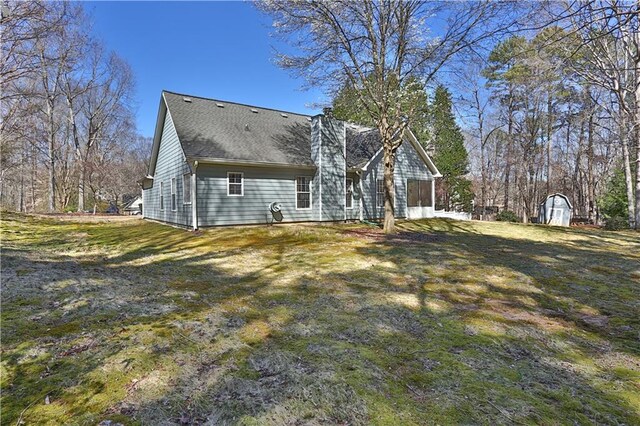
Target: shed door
[
  {"x": 419, "y": 199},
  {"x": 555, "y": 216}
]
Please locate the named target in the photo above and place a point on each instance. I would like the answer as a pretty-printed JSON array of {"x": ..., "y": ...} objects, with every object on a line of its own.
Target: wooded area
[
  {"x": 68, "y": 130},
  {"x": 546, "y": 95},
  {"x": 559, "y": 113}
]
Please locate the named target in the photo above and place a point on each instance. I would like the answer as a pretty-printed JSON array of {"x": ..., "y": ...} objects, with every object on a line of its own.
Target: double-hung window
[
  {"x": 380, "y": 193},
  {"x": 174, "y": 201},
  {"x": 235, "y": 184},
  {"x": 303, "y": 192},
  {"x": 349, "y": 194},
  {"x": 186, "y": 188},
  {"x": 161, "y": 195}
]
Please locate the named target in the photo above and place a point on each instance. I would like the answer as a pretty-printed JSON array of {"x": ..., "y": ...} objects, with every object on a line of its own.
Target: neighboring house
[
  {"x": 555, "y": 210},
  {"x": 222, "y": 163},
  {"x": 134, "y": 206}
]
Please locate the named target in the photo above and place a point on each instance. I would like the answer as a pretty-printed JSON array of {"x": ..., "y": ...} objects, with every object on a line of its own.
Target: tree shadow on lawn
[
  {"x": 62, "y": 313},
  {"x": 292, "y": 340},
  {"x": 588, "y": 285}
]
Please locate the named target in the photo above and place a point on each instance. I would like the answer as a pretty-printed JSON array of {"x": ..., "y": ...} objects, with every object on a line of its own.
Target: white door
[
  {"x": 555, "y": 217},
  {"x": 419, "y": 199}
]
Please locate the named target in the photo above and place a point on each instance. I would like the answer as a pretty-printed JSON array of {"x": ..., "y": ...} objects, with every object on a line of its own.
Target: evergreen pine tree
[{"x": 450, "y": 154}]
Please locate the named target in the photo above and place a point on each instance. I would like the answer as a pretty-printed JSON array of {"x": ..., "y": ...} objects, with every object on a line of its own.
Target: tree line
[
  {"x": 560, "y": 114},
  {"x": 69, "y": 140},
  {"x": 549, "y": 93}
]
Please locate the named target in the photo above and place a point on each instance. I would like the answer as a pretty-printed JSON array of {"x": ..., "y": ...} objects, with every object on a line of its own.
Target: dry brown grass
[{"x": 446, "y": 322}]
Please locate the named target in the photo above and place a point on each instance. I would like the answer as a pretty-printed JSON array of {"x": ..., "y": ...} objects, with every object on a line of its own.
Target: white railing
[{"x": 452, "y": 215}]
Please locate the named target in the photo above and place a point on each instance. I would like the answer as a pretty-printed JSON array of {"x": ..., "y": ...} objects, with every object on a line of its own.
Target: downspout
[
  {"x": 359, "y": 173},
  {"x": 344, "y": 155},
  {"x": 194, "y": 197},
  {"x": 320, "y": 167},
  {"x": 433, "y": 196}
]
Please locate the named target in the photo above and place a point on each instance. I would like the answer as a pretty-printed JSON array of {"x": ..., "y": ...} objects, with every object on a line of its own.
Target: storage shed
[{"x": 555, "y": 210}]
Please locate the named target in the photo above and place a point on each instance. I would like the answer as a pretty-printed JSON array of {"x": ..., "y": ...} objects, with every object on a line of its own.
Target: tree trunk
[
  {"x": 81, "y": 183},
  {"x": 52, "y": 157},
  {"x": 22, "y": 167},
  {"x": 34, "y": 177},
  {"x": 507, "y": 171},
  {"x": 628, "y": 179},
  {"x": 591, "y": 190},
  {"x": 636, "y": 132},
  {"x": 549, "y": 132},
  {"x": 627, "y": 170},
  {"x": 483, "y": 168},
  {"x": 389, "y": 191}
]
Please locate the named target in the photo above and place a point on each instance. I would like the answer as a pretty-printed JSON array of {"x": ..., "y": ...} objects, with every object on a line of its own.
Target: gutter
[
  {"x": 220, "y": 161},
  {"x": 344, "y": 155},
  {"x": 194, "y": 197},
  {"x": 320, "y": 168},
  {"x": 360, "y": 174}
]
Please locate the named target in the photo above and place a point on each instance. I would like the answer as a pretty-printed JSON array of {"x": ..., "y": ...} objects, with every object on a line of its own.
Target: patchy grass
[{"x": 446, "y": 322}]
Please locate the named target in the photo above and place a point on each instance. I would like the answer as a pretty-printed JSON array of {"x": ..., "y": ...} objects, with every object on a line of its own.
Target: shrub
[
  {"x": 616, "y": 223},
  {"x": 507, "y": 216}
]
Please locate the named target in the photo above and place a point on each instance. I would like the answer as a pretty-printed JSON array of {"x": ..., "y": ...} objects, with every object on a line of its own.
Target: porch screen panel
[
  {"x": 425, "y": 193},
  {"x": 413, "y": 193}
]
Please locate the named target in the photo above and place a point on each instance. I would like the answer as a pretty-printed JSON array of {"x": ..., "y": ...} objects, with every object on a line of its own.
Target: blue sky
[{"x": 213, "y": 49}]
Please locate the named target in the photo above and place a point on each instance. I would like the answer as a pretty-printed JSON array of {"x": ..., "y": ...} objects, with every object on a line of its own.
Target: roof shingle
[{"x": 210, "y": 128}]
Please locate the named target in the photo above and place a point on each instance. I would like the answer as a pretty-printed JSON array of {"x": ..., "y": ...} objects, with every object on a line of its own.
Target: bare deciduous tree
[{"x": 383, "y": 49}]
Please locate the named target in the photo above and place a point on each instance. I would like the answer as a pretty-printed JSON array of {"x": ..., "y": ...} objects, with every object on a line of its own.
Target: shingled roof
[
  {"x": 362, "y": 144},
  {"x": 209, "y": 128},
  {"x": 222, "y": 130}
]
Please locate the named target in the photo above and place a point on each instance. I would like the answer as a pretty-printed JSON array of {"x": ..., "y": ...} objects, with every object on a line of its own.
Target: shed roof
[{"x": 557, "y": 194}]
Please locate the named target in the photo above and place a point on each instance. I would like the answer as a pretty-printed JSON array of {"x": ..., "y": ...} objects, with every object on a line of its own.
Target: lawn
[{"x": 443, "y": 323}]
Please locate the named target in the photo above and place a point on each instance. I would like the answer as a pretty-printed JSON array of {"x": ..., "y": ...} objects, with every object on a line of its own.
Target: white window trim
[
  {"x": 347, "y": 190},
  {"x": 378, "y": 203},
  {"x": 161, "y": 198},
  {"x": 241, "y": 184},
  {"x": 295, "y": 183},
  {"x": 186, "y": 176},
  {"x": 174, "y": 192}
]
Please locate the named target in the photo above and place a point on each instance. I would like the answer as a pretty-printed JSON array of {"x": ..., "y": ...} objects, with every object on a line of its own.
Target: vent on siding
[
  {"x": 187, "y": 99},
  {"x": 219, "y": 105}
]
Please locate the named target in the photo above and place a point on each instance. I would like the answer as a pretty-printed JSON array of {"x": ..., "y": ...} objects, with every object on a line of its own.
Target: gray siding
[
  {"x": 333, "y": 172},
  {"x": 409, "y": 165},
  {"x": 262, "y": 186},
  {"x": 315, "y": 156},
  {"x": 170, "y": 164}
]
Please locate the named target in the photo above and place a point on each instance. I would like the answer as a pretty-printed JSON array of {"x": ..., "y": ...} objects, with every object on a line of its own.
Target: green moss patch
[{"x": 446, "y": 322}]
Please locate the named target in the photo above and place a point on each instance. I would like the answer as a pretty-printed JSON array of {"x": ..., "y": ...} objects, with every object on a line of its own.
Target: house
[
  {"x": 222, "y": 163},
  {"x": 133, "y": 206},
  {"x": 556, "y": 209}
]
